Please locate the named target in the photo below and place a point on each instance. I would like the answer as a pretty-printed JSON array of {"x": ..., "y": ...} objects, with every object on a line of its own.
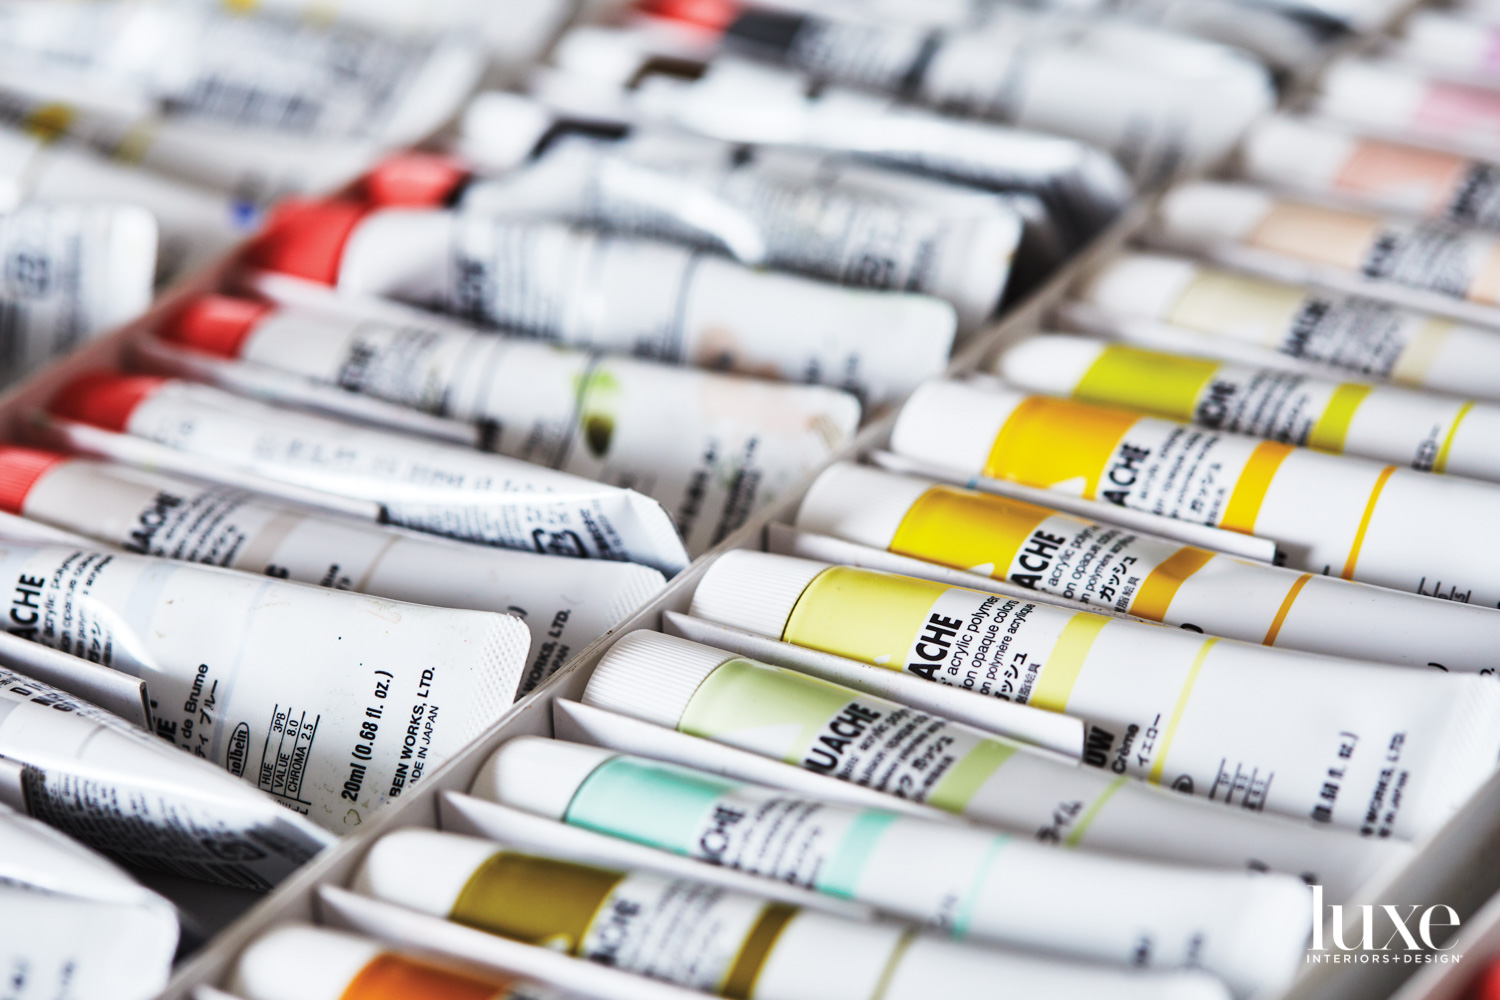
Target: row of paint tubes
[{"x": 989, "y": 436}]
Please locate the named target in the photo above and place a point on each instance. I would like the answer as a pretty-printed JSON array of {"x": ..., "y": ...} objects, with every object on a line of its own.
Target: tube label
[
  {"x": 694, "y": 935},
  {"x": 831, "y": 730}
]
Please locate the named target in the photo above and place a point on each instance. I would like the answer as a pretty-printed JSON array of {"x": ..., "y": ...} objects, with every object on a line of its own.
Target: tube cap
[
  {"x": 1204, "y": 213},
  {"x": 105, "y": 399},
  {"x": 754, "y": 591},
  {"x": 413, "y": 180},
  {"x": 306, "y": 238},
  {"x": 1053, "y": 363},
  {"x": 859, "y": 504},
  {"x": 1140, "y": 284},
  {"x": 422, "y": 870},
  {"x": 20, "y": 468},
  {"x": 325, "y": 961},
  {"x": 537, "y": 774},
  {"x": 650, "y": 676},
  {"x": 715, "y": 15},
  {"x": 501, "y": 129},
  {"x": 216, "y": 324},
  {"x": 953, "y": 424}
]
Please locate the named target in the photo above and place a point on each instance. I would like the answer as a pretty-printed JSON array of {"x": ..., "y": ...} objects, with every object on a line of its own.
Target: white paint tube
[
  {"x": 1383, "y": 750},
  {"x": 257, "y": 72},
  {"x": 1345, "y": 332},
  {"x": 1450, "y": 44},
  {"x": 1365, "y": 525},
  {"x": 63, "y": 948},
  {"x": 1330, "y": 161},
  {"x": 1426, "y": 432},
  {"x": 609, "y": 71},
  {"x": 1057, "y": 554},
  {"x": 138, "y": 800},
  {"x": 327, "y": 964},
  {"x": 1423, "y": 263},
  {"x": 566, "y": 604},
  {"x": 710, "y": 939},
  {"x": 331, "y": 702},
  {"x": 419, "y": 483},
  {"x": 67, "y": 273},
  {"x": 1409, "y": 101},
  {"x": 1024, "y": 896},
  {"x": 195, "y": 227},
  {"x": 254, "y": 168},
  {"x": 645, "y": 297},
  {"x": 75, "y": 925},
  {"x": 1127, "y": 97},
  {"x": 801, "y": 213},
  {"x": 912, "y": 755},
  {"x": 711, "y": 447}
]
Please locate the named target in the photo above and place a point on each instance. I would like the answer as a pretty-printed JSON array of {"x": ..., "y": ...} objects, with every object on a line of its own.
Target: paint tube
[
  {"x": 1125, "y": 572},
  {"x": 711, "y": 447},
  {"x": 54, "y": 947},
  {"x": 1383, "y": 750},
  {"x": 797, "y": 212},
  {"x": 253, "y": 72},
  {"x": 878, "y": 743},
  {"x": 1327, "y": 161},
  {"x": 1433, "y": 262},
  {"x": 1006, "y": 891},
  {"x": 565, "y": 604},
  {"x": 419, "y": 483},
  {"x": 301, "y": 962},
  {"x": 710, "y": 939},
  {"x": 1362, "y": 527},
  {"x": 233, "y": 661},
  {"x": 1022, "y": 70},
  {"x": 1406, "y": 101},
  {"x": 1423, "y": 431},
  {"x": 138, "y": 800},
  {"x": 1367, "y": 336},
  {"x": 75, "y": 925},
  {"x": 510, "y": 30},
  {"x": 741, "y": 102},
  {"x": 196, "y": 227},
  {"x": 253, "y": 168},
  {"x": 67, "y": 273},
  {"x": 554, "y": 282},
  {"x": 1449, "y": 44}
]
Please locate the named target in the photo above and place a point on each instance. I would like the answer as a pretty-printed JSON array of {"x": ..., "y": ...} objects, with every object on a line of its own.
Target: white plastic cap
[
  {"x": 859, "y": 504},
  {"x": 754, "y": 591},
  {"x": 1147, "y": 285},
  {"x": 1296, "y": 152},
  {"x": 422, "y": 870},
  {"x": 501, "y": 129},
  {"x": 953, "y": 424},
  {"x": 301, "y": 962},
  {"x": 1053, "y": 363},
  {"x": 1372, "y": 93},
  {"x": 1206, "y": 213},
  {"x": 537, "y": 774},
  {"x": 650, "y": 676},
  {"x": 599, "y": 52},
  {"x": 1441, "y": 39},
  {"x": 974, "y": 274},
  {"x": 132, "y": 264},
  {"x": 438, "y": 89},
  {"x": 17, "y": 151}
]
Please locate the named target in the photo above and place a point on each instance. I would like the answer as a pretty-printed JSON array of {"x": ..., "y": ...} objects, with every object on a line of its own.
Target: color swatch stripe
[
  {"x": 1163, "y": 582},
  {"x": 1281, "y": 612},
  {"x": 1060, "y": 673},
  {"x": 1250, "y": 492},
  {"x": 1177, "y": 710},
  {"x": 1364, "y": 522}
]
